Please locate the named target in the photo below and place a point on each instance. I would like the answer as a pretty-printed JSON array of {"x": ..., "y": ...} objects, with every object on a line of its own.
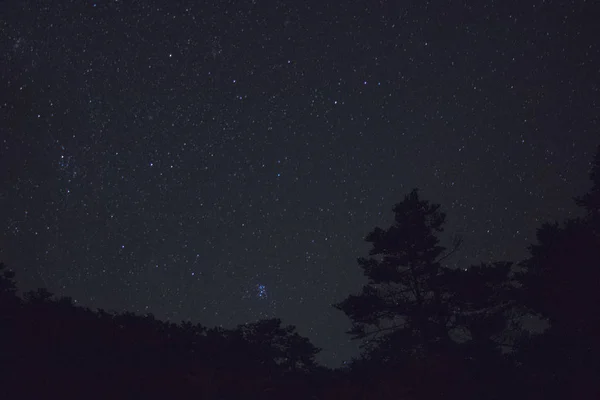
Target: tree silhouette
[
  {"x": 561, "y": 280},
  {"x": 8, "y": 288},
  {"x": 39, "y": 296},
  {"x": 54, "y": 348},
  {"x": 591, "y": 200},
  {"x": 416, "y": 311},
  {"x": 402, "y": 295},
  {"x": 280, "y": 345},
  {"x": 9, "y": 312}
]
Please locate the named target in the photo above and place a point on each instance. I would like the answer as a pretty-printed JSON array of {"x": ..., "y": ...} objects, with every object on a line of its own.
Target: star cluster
[{"x": 222, "y": 162}]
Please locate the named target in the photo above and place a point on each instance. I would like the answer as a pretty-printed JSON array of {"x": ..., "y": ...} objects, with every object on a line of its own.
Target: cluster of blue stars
[{"x": 262, "y": 291}]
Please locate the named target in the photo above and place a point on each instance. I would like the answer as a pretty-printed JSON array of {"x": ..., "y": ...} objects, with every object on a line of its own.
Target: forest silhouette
[{"x": 429, "y": 331}]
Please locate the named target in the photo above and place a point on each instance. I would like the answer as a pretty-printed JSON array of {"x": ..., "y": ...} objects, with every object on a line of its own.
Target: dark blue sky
[{"x": 223, "y": 162}]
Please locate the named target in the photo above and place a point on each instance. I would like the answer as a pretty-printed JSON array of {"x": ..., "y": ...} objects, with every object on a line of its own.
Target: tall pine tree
[{"x": 413, "y": 306}]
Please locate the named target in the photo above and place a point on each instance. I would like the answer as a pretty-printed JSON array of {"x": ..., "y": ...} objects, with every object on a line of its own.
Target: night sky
[{"x": 223, "y": 163}]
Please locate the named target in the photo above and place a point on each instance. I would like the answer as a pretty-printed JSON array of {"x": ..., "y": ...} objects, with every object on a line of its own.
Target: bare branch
[{"x": 457, "y": 242}]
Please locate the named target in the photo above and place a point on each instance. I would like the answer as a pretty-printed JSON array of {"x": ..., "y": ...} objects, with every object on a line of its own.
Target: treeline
[
  {"x": 50, "y": 347},
  {"x": 429, "y": 331}
]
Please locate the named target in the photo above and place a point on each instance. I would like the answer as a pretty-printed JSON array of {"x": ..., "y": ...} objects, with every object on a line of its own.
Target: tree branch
[{"x": 455, "y": 246}]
